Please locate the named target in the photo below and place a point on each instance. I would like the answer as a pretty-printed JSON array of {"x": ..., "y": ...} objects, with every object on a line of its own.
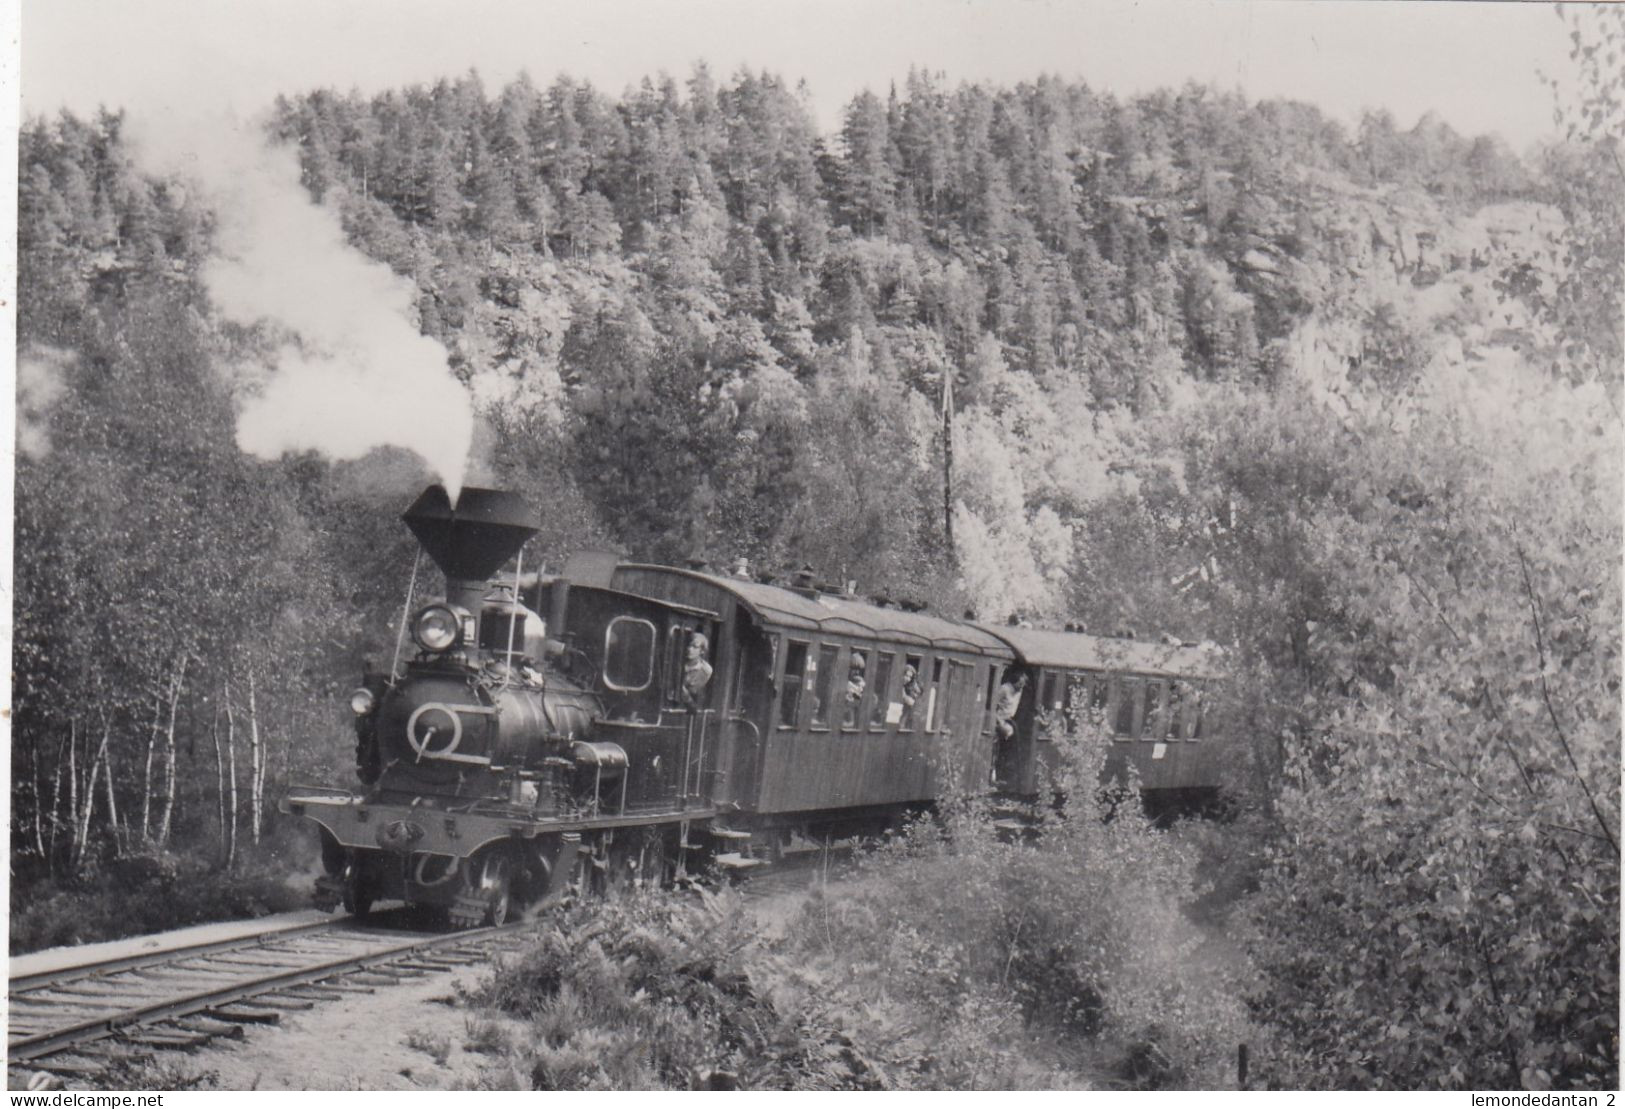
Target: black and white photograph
[{"x": 780, "y": 545}]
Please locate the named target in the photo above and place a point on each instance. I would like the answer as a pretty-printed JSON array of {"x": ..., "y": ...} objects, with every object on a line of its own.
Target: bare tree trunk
[
  {"x": 56, "y": 808},
  {"x": 256, "y": 756},
  {"x": 231, "y": 768},
  {"x": 948, "y": 458},
  {"x": 146, "y": 776},
  {"x": 39, "y": 801},
  {"x": 81, "y": 839},
  {"x": 219, "y": 773},
  {"x": 112, "y": 798},
  {"x": 169, "y": 752},
  {"x": 73, "y": 772}
]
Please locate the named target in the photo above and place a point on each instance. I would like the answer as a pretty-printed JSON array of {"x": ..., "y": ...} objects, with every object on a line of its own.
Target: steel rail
[
  {"x": 24, "y": 982},
  {"x": 40, "y": 1044}
]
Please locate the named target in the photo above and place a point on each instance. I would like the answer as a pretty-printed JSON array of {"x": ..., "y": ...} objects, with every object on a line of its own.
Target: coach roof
[
  {"x": 823, "y": 612},
  {"x": 1076, "y": 651}
]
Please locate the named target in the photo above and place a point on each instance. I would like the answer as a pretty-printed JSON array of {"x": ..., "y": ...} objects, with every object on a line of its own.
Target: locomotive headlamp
[
  {"x": 437, "y": 628},
  {"x": 362, "y": 701}
]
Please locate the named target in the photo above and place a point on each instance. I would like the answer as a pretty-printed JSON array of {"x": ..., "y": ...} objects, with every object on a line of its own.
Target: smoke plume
[
  {"x": 351, "y": 371},
  {"x": 40, "y": 373}
]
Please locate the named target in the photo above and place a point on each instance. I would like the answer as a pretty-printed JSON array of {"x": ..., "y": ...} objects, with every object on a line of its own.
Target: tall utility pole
[{"x": 948, "y": 458}]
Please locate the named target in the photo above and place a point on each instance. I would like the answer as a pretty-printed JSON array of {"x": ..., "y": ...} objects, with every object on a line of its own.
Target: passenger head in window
[
  {"x": 696, "y": 672},
  {"x": 854, "y": 678},
  {"x": 911, "y": 692},
  {"x": 855, "y": 685}
]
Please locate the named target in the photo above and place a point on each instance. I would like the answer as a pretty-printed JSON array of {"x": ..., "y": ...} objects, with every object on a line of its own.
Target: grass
[
  {"x": 435, "y": 1047},
  {"x": 484, "y": 1037}
]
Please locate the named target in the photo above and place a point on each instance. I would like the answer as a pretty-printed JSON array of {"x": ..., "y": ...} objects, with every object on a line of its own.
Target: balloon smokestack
[{"x": 471, "y": 540}]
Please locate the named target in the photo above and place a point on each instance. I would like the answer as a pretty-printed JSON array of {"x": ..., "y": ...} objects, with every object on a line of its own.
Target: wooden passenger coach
[
  {"x": 1153, "y": 699},
  {"x": 783, "y": 739},
  {"x": 793, "y": 744}
]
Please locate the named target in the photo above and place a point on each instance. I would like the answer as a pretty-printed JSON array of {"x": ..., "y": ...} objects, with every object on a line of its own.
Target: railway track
[{"x": 79, "y": 1020}]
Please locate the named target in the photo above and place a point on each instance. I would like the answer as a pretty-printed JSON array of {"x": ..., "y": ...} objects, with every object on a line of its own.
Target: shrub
[
  {"x": 1078, "y": 948},
  {"x": 148, "y": 892},
  {"x": 651, "y": 991}
]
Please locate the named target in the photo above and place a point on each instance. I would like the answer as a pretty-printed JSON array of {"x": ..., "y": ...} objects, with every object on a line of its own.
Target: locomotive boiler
[{"x": 469, "y": 748}]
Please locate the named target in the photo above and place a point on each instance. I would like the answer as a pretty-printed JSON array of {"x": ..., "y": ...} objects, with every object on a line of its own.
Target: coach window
[
  {"x": 880, "y": 686},
  {"x": 1177, "y": 694},
  {"x": 989, "y": 692},
  {"x": 1128, "y": 695},
  {"x": 854, "y": 689},
  {"x": 823, "y": 679},
  {"x": 1151, "y": 722},
  {"x": 1100, "y": 697},
  {"x": 911, "y": 692},
  {"x": 1195, "y": 711},
  {"x": 932, "y": 691},
  {"x": 1076, "y": 700},
  {"x": 790, "y": 683},
  {"x": 629, "y": 654},
  {"x": 1050, "y": 700},
  {"x": 948, "y": 687}
]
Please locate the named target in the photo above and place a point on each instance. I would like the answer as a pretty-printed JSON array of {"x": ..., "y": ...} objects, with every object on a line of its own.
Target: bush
[
  {"x": 648, "y": 991},
  {"x": 1078, "y": 950},
  {"x": 1441, "y": 906},
  {"x": 151, "y": 892}
]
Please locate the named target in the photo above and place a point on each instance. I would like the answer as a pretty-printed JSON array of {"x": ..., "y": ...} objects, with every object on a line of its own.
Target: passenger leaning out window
[{"x": 696, "y": 672}]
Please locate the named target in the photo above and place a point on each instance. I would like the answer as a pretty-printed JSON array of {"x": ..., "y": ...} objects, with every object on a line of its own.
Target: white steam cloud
[
  {"x": 40, "y": 374},
  {"x": 353, "y": 374}
]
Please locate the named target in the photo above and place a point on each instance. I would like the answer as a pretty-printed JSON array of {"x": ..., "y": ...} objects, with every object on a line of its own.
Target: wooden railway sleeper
[
  {"x": 279, "y": 1000},
  {"x": 55, "y": 1003},
  {"x": 336, "y": 986},
  {"x": 240, "y": 1015},
  {"x": 165, "y": 1038},
  {"x": 219, "y": 1029},
  {"x": 321, "y": 993}
]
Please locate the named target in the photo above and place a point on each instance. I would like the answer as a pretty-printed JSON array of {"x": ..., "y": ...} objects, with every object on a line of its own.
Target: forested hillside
[{"x": 1345, "y": 402}]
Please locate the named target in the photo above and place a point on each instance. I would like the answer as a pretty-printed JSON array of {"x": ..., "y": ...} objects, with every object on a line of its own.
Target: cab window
[
  {"x": 676, "y": 659},
  {"x": 629, "y": 653}
]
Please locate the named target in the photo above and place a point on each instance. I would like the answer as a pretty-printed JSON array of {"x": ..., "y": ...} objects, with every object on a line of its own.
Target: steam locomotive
[{"x": 660, "y": 720}]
